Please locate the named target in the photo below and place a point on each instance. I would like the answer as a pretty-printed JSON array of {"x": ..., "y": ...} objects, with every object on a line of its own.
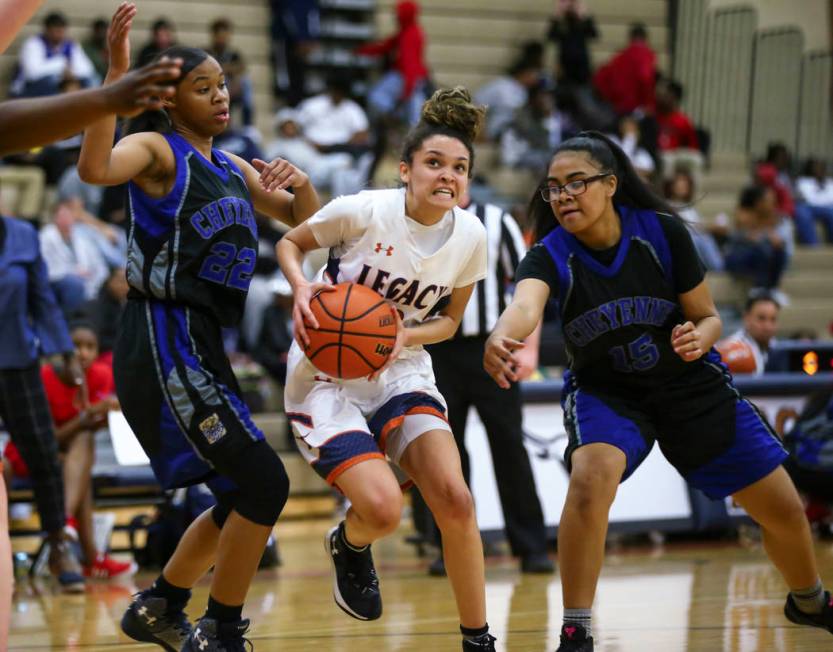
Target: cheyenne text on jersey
[
  {"x": 617, "y": 314},
  {"x": 221, "y": 214}
]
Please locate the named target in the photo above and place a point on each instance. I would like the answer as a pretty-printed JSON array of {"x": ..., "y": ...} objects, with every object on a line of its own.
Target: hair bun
[{"x": 453, "y": 108}]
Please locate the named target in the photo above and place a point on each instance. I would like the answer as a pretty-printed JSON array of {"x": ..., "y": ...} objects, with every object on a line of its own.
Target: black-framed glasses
[{"x": 572, "y": 188}]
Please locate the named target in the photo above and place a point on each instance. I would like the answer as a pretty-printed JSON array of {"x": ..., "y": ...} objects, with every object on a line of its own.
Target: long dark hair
[
  {"x": 448, "y": 112},
  {"x": 630, "y": 191},
  {"x": 159, "y": 120}
]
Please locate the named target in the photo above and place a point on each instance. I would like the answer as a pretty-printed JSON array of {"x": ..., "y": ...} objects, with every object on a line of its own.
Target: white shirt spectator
[
  {"x": 326, "y": 123},
  {"x": 815, "y": 193},
  {"x": 80, "y": 257},
  {"x": 36, "y": 61},
  {"x": 503, "y": 96}
]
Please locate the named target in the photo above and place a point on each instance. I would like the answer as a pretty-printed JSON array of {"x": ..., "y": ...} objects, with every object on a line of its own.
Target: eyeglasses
[{"x": 573, "y": 188}]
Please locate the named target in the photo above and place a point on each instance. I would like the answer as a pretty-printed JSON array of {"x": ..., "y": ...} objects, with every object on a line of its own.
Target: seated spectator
[
  {"x": 815, "y": 193},
  {"x": 676, "y": 138},
  {"x": 162, "y": 36},
  {"x": 75, "y": 433},
  {"x": 296, "y": 28},
  {"x": 536, "y": 129},
  {"x": 760, "y": 323},
  {"x": 679, "y": 191},
  {"x": 74, "y": 262},
  {"x": 629, "y": 138},
  {"x": 506, "y": 94},
  {"x": 774, "y": 172},
  {"x": 338, "y": 173},
  {"x": 627, "y": 81},
  {"x": 401, "y": 90},
  {"x": 239, "y": 84},
  {"x": 333, "y": 122},
  {"x": 95, "y": 46},
  {"x": 50, "y": 57},
  {"x": 759, "y": 249}
]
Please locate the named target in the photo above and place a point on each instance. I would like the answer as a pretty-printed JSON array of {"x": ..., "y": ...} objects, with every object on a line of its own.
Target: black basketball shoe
[
  {"x": 355, "y": 585},
  {"x": 148, "y": 620},
  {"x": 574, "y": 638},
  {"x": 823, "y": 620},
  {"x": 485, "y": 643},
  {"x": 210, "y": 635}
]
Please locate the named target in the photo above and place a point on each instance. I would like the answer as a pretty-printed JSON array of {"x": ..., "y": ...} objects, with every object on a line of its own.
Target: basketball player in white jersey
[{"x": 416, "y": 248}]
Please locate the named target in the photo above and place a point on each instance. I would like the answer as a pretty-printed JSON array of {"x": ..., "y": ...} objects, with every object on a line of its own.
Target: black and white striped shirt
[{"x": 505, "y": 247}]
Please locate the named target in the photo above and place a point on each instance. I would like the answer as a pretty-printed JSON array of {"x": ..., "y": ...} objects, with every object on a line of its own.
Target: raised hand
[
  {"x": 279, "y": 174},
  {"x": 143, "y": 89},
  {"x": 118, "y": 43}
]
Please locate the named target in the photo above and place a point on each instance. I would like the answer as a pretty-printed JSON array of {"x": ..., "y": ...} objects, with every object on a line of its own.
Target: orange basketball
[
  {"x": 355, "y": 334},
  {"x": 738, "y": 356}
]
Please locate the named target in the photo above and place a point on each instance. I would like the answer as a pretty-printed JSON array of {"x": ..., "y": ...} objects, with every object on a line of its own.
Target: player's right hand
[
  {"x": 499, "y": 359},
  {"x": 301, "y": 313},
  {"x": 118, "y": 43}
]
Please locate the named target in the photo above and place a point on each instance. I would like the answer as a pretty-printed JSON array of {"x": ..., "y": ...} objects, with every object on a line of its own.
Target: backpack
[{"x": 165, "y": 528}]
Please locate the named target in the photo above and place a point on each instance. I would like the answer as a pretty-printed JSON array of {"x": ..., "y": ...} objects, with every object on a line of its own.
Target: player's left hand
[
  {"x": 398, "y": 345},
  {"x": 685, "y": 338},
  {"x": 279, "y": 174}
]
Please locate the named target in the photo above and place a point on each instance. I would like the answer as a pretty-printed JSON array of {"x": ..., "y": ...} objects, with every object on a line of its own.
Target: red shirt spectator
[
  {"x": 676, "y": 131},
  {"x": 768, "y": 174},
  {"x": 409, "y": 44},
  {"x": 64, "y": 402},
  {"x": 627, "y": 81}
]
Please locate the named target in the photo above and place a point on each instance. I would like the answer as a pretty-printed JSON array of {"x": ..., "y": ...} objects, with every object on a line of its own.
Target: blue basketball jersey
[
  {"x": 617, "y": 318},
  {"x": 197, "y": 245}
]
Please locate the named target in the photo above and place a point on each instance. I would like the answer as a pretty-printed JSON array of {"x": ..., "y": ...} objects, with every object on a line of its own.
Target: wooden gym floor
[{"x": 683, "y": 597}]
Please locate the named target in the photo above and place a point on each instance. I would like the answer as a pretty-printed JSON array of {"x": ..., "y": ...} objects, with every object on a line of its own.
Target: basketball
[
  {"x": 356, "y": 332},
  {"x": 738, "y": 356}
]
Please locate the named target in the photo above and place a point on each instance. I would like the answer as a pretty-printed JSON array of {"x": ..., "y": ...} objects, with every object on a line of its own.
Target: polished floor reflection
[{"x": 697, "y": 598}]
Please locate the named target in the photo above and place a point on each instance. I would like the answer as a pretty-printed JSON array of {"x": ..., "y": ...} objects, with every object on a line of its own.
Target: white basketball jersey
[{"x": 370, "y": 244}]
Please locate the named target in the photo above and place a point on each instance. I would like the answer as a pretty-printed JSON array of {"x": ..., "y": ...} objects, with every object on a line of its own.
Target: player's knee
[
  {"x": 264, "y": 485},
  {"x": 453, "y": 503},
  {"x": 593, "y": 487},
  {"x": 383, "y": 512}
]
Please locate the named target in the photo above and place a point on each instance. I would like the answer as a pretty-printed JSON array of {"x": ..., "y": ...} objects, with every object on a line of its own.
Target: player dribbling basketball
[{"x": 419, "y": 250}]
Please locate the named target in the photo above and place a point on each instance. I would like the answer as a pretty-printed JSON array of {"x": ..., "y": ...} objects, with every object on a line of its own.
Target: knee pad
[{"x": 262, "y": 481}]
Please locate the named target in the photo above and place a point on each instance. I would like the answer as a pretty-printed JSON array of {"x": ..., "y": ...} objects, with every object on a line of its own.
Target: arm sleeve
[
  {"x": 343, "y": 219},
  {"x": 475, "y": 268},
  {"x": 410, "y": 60},
  {"x": 539, "y": 264},
  {"x": 47, "y": 318},
  {"x": 688, "y": 269}
]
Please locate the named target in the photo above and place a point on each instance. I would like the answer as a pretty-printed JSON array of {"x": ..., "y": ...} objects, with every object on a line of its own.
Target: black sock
[
  {"x": 176, "y": 596},
  {"x": 474, "y": 632},
  {"x": 223, "y": 613},
  {"x": 343, "y": 534}
]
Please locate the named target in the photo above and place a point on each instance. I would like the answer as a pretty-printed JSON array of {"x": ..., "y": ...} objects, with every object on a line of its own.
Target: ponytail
[{"x": 631, "y": 191}]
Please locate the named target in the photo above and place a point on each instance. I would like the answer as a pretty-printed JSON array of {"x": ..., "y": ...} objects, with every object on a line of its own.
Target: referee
[{"x": 458, "y": 367}]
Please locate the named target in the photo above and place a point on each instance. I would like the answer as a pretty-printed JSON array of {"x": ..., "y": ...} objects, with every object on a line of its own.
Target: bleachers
[{"x": 192, "y": 19}]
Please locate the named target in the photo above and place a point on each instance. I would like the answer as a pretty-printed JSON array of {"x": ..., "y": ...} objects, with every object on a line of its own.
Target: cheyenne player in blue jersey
[
  {"x": 639, "y": 326},
  {"x": 192, "y": 247}
]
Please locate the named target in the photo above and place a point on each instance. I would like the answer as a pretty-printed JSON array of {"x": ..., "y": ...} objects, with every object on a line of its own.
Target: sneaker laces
[
  {"x": 233, "y": 638},
  {"x": 364, "y": 571}
]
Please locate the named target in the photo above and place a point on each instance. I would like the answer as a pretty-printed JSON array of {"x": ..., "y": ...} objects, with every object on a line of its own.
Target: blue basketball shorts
[{"x": 718, "y": 441}]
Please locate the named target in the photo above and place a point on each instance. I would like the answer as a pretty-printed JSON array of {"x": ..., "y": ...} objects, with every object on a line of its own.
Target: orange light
[{"x": 810, "y": 363}]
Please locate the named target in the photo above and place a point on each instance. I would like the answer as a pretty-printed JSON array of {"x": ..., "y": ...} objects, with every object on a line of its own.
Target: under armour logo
[
  {"x": 388, "y": 250},
  {"x": 143, "y": 612},
  {"x": 202, "y": 643}
]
